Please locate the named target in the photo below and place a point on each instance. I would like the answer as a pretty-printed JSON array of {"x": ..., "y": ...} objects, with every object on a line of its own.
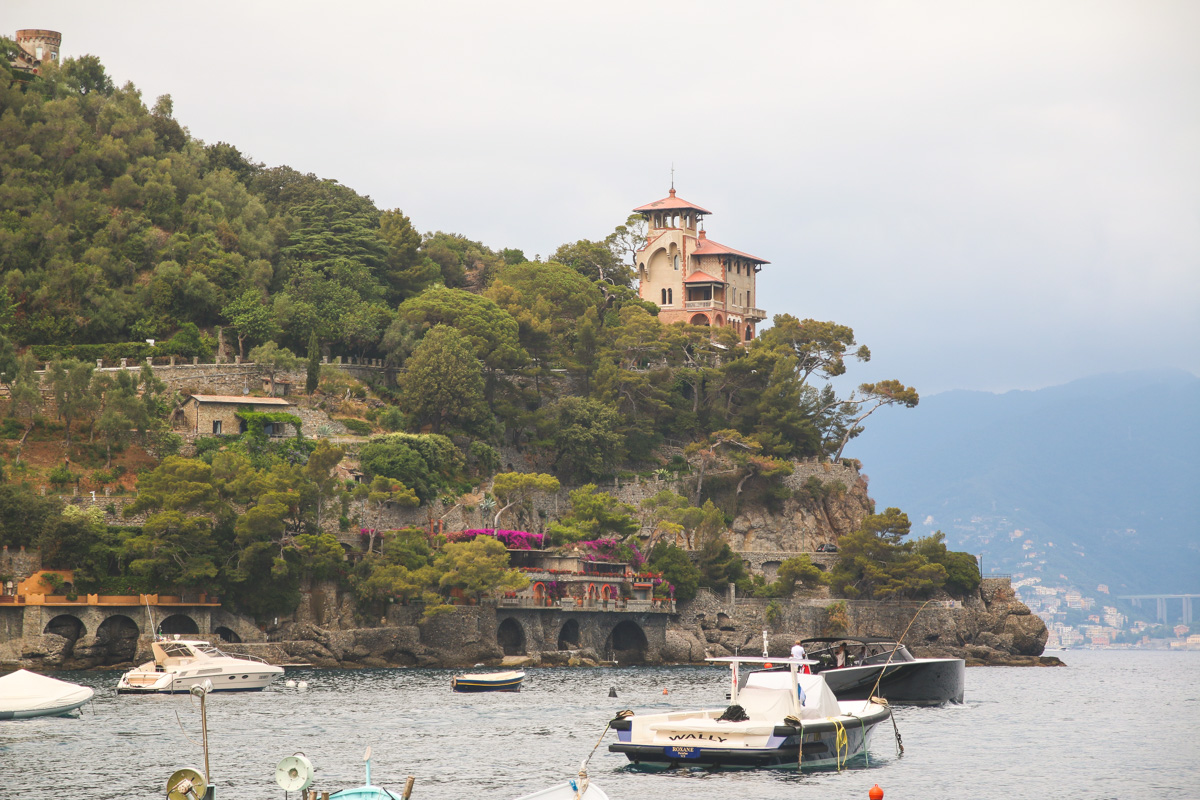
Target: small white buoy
[
  {"x": 291, "y": 684},
  {"x": 302, "y": 686}
]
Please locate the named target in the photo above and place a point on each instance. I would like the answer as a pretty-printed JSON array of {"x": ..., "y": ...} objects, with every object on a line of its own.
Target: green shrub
[
  {"x": 356, "y": 426},
  {"x": 61, "y": 476},
  {"x": 393, "y": 419}
]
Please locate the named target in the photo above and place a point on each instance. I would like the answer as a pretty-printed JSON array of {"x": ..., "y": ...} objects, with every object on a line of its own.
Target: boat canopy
[
  {"x": 819, "y": 699},
  {"x": 25, "y": 691}
]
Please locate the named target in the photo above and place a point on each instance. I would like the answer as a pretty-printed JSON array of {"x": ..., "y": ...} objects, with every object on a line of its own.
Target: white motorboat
[
  {"x": 777, "y": 719},
  {"x": 25, "y": 694},
  {"x": 858, "y": 667},
  {"x": 180, "y": 664}
]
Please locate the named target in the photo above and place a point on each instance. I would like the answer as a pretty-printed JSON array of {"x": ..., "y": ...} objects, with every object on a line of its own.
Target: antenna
[
  {"x": 154, "y": 631},
  {"x": 672, "y": 176},
  {"x": 201, "y": 690}
]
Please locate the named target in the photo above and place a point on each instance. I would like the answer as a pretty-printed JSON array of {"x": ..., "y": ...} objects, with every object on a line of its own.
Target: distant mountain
[{"x": 1094, "y": 482}]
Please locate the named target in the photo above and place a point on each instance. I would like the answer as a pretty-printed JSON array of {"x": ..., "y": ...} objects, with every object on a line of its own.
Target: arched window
[
  {"x": 670, "y": 297},
  {"x": 664, "y": 297},
  {"x": 749, "y": 333},
  {"x": 677, "y": 261}
]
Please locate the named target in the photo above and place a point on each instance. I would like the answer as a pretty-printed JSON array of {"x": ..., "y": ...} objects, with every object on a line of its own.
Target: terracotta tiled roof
[
  {"x": 707, "y": 247},
  {"x": 701, "y": 277},
  {"x": 671, "y": 202},
  {"x": 241, "y": 399}
]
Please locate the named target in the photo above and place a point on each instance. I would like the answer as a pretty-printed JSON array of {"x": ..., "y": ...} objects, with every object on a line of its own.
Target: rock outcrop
[{"x": 991, "y": 627}]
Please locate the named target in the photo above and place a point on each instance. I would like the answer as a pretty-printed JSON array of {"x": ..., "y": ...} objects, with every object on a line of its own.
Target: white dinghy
[{"x": 25, "y": 694}]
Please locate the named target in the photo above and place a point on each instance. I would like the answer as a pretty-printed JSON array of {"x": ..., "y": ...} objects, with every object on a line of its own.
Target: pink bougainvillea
[
  {"x": 513, "y": 540},
  {"x": 611, "y": 550}
]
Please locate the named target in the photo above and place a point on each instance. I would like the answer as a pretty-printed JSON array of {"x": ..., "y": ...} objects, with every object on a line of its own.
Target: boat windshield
[
  {"x": 858, "y": 653},
  {"x": 208, "y": 650},
  {"x": 176, "y": 649}
]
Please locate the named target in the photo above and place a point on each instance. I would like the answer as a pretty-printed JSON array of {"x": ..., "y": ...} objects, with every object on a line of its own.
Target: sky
[{"x": 994, "y": 196}]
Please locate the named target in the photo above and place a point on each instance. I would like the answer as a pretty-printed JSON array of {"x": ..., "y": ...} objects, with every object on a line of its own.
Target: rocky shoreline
[{"x": 991, "y": 628}]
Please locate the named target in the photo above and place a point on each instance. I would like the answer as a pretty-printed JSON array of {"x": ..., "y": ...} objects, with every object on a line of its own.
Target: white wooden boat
[
  {"x": 778, "y": 719},
  {"x": 180, "y": 664},
  {"x": 488, "y": 682},
  {"x": 25, "y": 694}
]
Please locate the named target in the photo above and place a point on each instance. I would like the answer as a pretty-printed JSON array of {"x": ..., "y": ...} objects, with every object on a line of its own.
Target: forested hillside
[
  {"x": 1088, "y": 483},
  {"x": 117, "y": 227}
]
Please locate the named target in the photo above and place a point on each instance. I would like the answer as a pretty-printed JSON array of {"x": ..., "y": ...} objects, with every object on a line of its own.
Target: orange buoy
[
  {"x": 876, "y": 793},
  {"x": 664, "y": 691},
  {"x": 768, "y": 665}
]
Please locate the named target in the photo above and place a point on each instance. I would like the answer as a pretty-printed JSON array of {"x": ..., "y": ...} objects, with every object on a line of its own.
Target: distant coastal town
[{"x": 1079, "y": 621}]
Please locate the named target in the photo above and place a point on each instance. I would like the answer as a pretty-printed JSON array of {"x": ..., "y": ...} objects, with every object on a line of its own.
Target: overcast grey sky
[{"x": 993, "y": 195}]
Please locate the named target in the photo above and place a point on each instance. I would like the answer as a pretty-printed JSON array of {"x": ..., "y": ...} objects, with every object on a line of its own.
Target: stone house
[{"x": 216, "y": 414}]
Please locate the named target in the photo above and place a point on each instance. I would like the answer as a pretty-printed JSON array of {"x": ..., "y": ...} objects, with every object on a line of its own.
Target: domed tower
[
  {"x": 692, "y": 278},
  {"x": 41, "y": 44}
]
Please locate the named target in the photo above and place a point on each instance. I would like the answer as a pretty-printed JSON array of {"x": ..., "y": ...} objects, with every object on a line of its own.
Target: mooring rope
[
  {"x": 582, "y": 786},
  {"x": 841, "y": 742},
  {"x": 871, "y": 698},
  {"x": 891, "y": 715},
  {"x": 899, "y": 642}
]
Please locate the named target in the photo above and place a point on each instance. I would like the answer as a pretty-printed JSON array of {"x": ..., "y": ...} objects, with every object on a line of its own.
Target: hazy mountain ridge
[{"x": 1100, "y": 476}]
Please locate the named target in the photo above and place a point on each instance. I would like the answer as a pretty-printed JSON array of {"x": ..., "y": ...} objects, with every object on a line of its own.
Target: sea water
[{"x": 1112, "y": 724}]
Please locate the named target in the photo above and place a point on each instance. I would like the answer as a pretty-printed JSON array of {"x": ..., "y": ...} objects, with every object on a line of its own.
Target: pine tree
[{"x": 313, "y": 376}]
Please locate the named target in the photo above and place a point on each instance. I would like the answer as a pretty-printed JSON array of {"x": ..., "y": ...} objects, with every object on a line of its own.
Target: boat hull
[
  {"x": 169, "y": 683},
  {"x": 924, "y": 682},
  {"x": 782, "y": 750},
  {"x": 470, "y": 686},
  {"x": 567, "y": 791},
  {"x": 50, "y": 711}
]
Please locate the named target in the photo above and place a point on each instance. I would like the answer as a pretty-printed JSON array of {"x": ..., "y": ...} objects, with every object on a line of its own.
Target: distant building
[
  {"x": 692, "y": 278},
  {"x": 216, "y": 414},
  {"x": 37, "y": 47}
]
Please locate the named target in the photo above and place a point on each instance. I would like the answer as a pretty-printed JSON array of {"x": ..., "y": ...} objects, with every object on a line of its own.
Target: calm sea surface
[{"x": 1110, "y": 725}]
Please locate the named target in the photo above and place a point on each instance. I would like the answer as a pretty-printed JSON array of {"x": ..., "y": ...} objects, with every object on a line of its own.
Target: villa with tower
[
  {"x": 692, "y": 278},
  {"x": 37, "y": 46}
]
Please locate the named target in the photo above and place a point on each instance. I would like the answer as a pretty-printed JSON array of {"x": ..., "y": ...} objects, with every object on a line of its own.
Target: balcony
[
  {"x": 655, "y": 606},
  {"x": 700, "y": 304}
]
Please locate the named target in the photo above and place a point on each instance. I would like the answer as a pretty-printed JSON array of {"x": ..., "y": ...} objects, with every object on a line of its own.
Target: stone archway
[
  {"x": 181, "y": 624},
  {"x": 568, "y": 637},
  {"x": 116, "y": 640},
  {"x": 227, "y": 634},
  {"x": 69, "y": 627},
  {"x": 699, "y": 319},
  {"x": 511, "y": 637},
  {"x": 626, "y": 644}
]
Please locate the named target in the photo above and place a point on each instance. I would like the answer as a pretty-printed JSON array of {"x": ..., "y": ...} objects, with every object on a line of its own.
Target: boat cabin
[{"x": 855, "y": 651}]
